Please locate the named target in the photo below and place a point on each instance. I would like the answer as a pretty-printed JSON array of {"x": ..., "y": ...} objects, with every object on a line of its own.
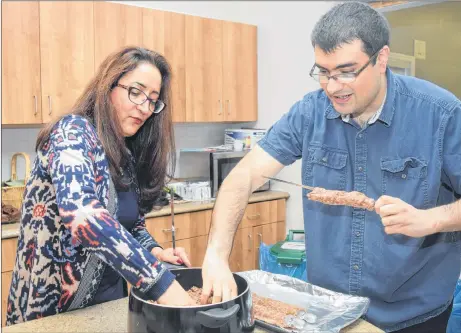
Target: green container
[{"x": 292, "y": 250}]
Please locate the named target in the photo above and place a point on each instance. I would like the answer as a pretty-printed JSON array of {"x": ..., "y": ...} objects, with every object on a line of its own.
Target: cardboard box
[{"x": 249, "y": 136}]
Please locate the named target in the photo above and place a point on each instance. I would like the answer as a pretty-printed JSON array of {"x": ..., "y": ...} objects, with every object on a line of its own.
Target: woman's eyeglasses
[{"x": 139, "y": 97}]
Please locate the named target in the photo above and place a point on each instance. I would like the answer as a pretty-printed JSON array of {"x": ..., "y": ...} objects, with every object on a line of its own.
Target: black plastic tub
[{"x": 233, "y": 316}]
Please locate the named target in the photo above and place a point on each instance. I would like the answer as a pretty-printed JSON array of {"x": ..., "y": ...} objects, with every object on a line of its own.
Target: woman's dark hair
[{"x": 152, "y": 146}]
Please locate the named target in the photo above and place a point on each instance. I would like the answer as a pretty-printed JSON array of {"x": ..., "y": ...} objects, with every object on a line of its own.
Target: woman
[{"x": 98, "y": 170}]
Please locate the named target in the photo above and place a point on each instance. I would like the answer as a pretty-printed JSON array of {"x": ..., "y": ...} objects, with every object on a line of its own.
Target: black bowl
[{"x": 232, "y": 316}]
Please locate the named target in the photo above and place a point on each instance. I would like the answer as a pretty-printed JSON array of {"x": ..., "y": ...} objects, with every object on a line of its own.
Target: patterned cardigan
[{"x": 69, "y": 231}]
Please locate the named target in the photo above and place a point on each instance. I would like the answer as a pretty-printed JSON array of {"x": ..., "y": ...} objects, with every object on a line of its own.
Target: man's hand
[
  {"x": 399, "y": 217},
  {"x": 217, "y": 279},
  {"x": 177, "y": 256}
]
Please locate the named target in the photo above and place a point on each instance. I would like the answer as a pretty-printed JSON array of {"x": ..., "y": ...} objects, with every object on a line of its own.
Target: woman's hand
[
  {"x": 176, "y": 295},
  {"x": 176, "y": 256}
]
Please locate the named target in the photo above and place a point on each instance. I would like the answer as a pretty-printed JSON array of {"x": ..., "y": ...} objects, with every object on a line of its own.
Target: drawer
[
  {"x": 263, "y": 213},
  {"x": 9, "y": 247},
  {"x": 187, "y": 225}
]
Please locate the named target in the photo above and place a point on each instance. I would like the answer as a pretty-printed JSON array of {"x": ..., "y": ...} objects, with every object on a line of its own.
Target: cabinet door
[
  {"x": 269, "y": 234},
  {"x": 204, "y": 101},
  {"x": 67, "y": 54},
  {"x": 9, "y": 248},
  {"x": 164, "y": 32},
  {"x": 21, "y": 100},
  {"x": 195, "y": 248},
  {"x": 240, "y": 90},
  {"x": 6, "y": 282},
  {"x": 242, "y": 255},
  {"x": 115, "y": 26}
]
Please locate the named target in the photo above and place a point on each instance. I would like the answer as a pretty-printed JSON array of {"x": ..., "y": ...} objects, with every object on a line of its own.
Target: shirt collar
[{"x": 386, "y": 111}]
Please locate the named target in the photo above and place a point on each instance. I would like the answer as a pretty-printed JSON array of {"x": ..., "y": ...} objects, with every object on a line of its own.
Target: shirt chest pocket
[
  {"x": 326, "y": 168},
  {"x": 405, "y": 178}
]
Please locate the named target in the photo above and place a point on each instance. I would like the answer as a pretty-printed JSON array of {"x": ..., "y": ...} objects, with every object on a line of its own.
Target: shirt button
[
  {"x": 324, "y": 159},
  {"x": 356, "y": 267},
  {"x": 357, "y": 234},
  {"x": 360, "y": 168},
  {"x": 404, "y": 176},
  {"x": 360, "y": 136}
]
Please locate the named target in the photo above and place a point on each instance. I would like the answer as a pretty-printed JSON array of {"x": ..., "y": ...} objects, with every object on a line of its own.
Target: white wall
[{"x": 285, "y": 56}]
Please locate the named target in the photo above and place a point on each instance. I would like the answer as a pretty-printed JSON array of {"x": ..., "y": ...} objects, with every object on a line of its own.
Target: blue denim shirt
[{"x": 413, "y": 152}]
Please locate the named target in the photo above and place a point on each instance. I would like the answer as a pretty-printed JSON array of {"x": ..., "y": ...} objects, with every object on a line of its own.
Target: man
[{"x": 396, "y": 139}]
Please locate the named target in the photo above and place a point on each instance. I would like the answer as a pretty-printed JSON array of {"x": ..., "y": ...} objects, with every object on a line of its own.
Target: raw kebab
[
  {"x": 333, "y": 197},
  {"x": 353, "y": 199}
]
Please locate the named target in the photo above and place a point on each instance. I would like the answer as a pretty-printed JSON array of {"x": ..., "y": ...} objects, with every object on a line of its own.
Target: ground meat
[
  {"x": 354, "y": 199},
  {"x": 195, "y": 293},
  {"x": 272, "y": 311}
]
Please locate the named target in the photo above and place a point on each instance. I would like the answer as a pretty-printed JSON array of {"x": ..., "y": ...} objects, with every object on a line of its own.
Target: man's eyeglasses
[
  {"x": 138, "y": 97},
  {"x": 322, "y": 76}
]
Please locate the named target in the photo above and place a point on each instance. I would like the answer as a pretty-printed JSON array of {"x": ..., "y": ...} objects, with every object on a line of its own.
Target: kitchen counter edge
[{"x": 12, "y": 230}]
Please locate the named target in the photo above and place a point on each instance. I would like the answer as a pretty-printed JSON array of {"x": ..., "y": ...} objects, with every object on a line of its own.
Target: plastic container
[{"x": 287, "y": 257}]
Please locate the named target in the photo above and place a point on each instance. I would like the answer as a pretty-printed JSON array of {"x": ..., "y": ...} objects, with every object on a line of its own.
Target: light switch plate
[{"x": 420, "y": 49}]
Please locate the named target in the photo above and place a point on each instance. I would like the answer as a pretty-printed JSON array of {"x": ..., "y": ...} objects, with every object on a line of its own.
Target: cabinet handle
[
  {"x": 249, "y": 236},
  {"x": 220, "y": 107},
  {"x": 260, "y": 238},
  {"x": 228, "y": 107},
  {"x": 36, "y": 109},
  {"x": 49, "y": 105},
  {"x": 254, "y": 217},
  {"x": 170, "y": 229}
]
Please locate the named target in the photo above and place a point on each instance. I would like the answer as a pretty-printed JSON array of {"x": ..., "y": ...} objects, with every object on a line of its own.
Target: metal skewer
[
  {"x": 310, "y": 188},
  {"x": 173, "y": 230}
]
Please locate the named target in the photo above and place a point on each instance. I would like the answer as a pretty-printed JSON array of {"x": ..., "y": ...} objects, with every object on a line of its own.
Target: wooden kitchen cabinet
[
  {"x": 9, "y": 247},
  {"x": 6, "y": 282},
  {"x": 164, "y": 32},
  {"x": 115, "y": 26},
  {"x": 48, "y": 58},
  {"x": 240, "y": 67},
  {"x": 21, "y": 95},
  {"x": 187, "y": 225},
  {"x": 204, "y": 95},
  {"x": 67, "y": 54},
  {"x": 52, "y": 49},
  {"x": 221, "y": 76},
  {"x": 195, "y": 248},
  {"x": 241, "y": 258},
  {"x": 268, "y": 234}
]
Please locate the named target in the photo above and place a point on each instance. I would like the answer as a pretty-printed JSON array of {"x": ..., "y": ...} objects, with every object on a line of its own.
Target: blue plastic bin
[{"x": 269, "y": 263}]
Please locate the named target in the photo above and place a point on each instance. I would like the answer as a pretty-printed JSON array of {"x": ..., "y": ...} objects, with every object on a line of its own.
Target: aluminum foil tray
[{"x": 326, "y": 310}]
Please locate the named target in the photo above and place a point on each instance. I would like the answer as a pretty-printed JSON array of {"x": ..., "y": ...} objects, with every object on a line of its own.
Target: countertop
[
  {"x": 12, "y": 230},
  {"x": 112, "y": 317}
]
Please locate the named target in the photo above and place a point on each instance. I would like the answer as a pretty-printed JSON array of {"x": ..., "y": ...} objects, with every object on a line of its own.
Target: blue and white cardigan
[{"x": 69, "y": 231}]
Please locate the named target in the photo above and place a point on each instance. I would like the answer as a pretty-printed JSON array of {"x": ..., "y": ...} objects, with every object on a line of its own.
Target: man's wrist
[
  {"x": 444, "y": 219},
  {"x": 216, "y": 253}
]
